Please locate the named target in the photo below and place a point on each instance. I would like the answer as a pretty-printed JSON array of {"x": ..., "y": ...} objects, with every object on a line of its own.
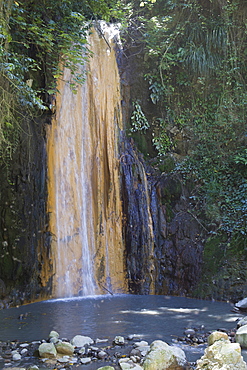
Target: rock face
[
  {"x": 162, "y": 238},
  {"x": 163, "y": 357},
  {"x": 25, "y": 263},
  {"x": 222, "y": 355}
]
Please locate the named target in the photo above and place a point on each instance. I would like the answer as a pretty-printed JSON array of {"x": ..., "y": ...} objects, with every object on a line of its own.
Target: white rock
[
  {"x": 24, "y": 351},
  {"x": 242, "y": 322},
  {"x": 222, "y": 355},
  {"x": 63, "y": 359},
  {"x": 53, "y": 334},
  {"x": 142, "y": 343},
  {"x": 119, "y": 340},
  {"x": 242, "y": 304},
  {"x": 86, "y": 360},
  {"x": 24, "y": 345},
  {"x": 241, "y": 336},
  {"x": 81, "y": 341},
  {"x": 216, "y": 335},
  {"x": 162, "y": 356},
  {"x": 47, "y": 350},
  {"x": 16, "y": 357}
]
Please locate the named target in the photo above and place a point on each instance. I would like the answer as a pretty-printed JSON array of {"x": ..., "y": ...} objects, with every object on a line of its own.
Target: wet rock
[
  {"x": 33, "y": 367},
  {"x": 190, "y": 332},
  {"x": 162, "y": 356},
  {"x": 65, "y": 348},
  {"x": 241, "y": 336},
  {"x": 216, "y": 335},
  {"x": 81, "y": 341},
  {"x": 47, "y": 350}
]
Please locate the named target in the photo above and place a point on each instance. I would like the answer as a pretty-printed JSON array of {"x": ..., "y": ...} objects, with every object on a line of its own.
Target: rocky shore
[{"x": 130, "y": 353}]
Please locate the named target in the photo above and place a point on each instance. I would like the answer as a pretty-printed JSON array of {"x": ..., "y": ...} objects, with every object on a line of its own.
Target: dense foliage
[
  {"x": 195, "y": 65},
  {"x": 196, "y": 68},
  {"x": 37, "y": 38}
]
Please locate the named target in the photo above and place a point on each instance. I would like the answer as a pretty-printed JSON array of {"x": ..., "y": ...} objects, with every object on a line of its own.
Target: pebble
[
  {"x": 86, "y": 360},
  {"x": 16, "y": 357}
]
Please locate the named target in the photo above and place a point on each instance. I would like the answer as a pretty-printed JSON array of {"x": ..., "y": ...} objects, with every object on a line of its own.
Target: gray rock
[
  {"x": 65, "y": 348},
  {"x": 189, "y": 332},
  {"x": 24, "y": 351},
  {"x": 242, "y": 322},
  {"x": 47, "y": 350},
  {"x": 142, "y": 343},
  {"x": 33, "y": 367},
  {"x": 242, "y": 304},
  {"x": 63, "y": 359},
  {"x": 101, "y": 354},
  {"x": 81, "y": 341}
]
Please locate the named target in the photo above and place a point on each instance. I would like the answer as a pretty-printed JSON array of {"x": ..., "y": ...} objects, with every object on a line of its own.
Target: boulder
[
  {"x": 222, "y": 355},
  {"x": 216, "y": 335},
  {"x": 242, "y": 305},
  {"x": 241, "y": 336},
  {"x": 65, "y": 348},
  {"x": 161, "y": 356},
  {"x": 81, "y": 341},
  {"x": 47, "y": 350}
]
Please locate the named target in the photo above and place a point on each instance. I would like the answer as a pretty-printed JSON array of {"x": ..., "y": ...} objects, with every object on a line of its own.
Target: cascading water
[{"x": 83, "y": 179}]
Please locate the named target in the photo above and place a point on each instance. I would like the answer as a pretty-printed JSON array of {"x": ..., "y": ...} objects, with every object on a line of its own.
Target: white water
[{"x": 83, "y": 179}]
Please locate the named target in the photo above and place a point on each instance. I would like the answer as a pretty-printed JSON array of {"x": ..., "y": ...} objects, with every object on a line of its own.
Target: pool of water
[{"x": 149, "y": 317}]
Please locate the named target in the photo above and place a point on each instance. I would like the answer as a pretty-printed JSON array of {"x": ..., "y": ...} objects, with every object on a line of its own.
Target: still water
[{"x": 150, "y": 317}]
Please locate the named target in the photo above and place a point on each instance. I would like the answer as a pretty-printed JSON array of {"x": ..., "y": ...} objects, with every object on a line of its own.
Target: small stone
[
  {"x": 63, "y": 359},
  {"x": 190, "y": 332},
  {"x": 81, "y": 341},
  {"x": 142, "y": 343},
  {"x": 101, "y": 340},
  {"x": 102, "y": 354},
  {"x": 24, "y": 351},
  {"x": 119, "y": 340},
  {"x": 16, "y": 357},
  {"x": 33, "y": 367},
  {"x": 86, "y": 360},
  {"x": 53, "y": 334},
  {"x": 106, "y": 368},
  {"x": 24, "y": 345}
]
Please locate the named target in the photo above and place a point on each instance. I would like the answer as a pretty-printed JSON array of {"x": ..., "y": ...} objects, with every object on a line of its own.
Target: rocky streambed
[{"x": 122, "y": 353}]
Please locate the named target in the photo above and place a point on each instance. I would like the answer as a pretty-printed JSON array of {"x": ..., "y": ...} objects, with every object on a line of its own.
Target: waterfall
[{"x": 84, "y": 203}]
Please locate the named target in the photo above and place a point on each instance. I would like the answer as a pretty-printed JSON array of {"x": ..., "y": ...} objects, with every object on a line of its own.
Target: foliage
[
  {"x": 139, "y": 121},
  {"x": 196, "y": 68},
  {"x": 37, "y": 39}
]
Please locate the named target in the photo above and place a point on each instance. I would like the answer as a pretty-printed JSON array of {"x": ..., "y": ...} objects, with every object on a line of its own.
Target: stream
[{"x": 149, "y": 317}]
